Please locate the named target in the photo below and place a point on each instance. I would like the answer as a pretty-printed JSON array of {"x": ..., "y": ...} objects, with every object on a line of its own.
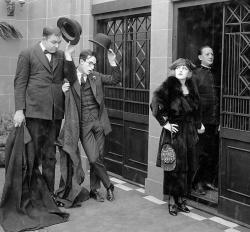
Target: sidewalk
[{"x": 134, "y": 211}]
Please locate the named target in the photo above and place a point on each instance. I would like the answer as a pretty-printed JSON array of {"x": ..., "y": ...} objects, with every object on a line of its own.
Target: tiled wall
[
  {"x": 30, "y": 20},
  {"x": 8, "y": 54},
  {"x": 161, "y": 57},
  {"x": 47, "y": 12}
]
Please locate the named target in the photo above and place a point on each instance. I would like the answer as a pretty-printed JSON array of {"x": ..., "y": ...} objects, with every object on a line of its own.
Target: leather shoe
[
  {"x": 172, "y": 209},
  {"x": 199, "y": 189},
  {"x": 210, "y": 186},
  {"x": 183, "y": 207},
  {"x": 57, "y": 202},
  {"x": 110, "y": 193},
  {"x": 96, "y": 195}
]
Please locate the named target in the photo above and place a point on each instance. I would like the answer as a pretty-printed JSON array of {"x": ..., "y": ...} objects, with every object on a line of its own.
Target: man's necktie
[
  {"x": 46, "y": 52},
  {"x": 51, "y": 60},
  {"x": 83, "y": 82}
]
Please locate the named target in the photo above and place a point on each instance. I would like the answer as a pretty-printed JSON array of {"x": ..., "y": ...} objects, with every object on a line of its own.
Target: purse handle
[{"x": 171, "y": 134}]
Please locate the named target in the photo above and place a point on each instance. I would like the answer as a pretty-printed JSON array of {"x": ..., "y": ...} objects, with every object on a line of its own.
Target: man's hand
[
  {"x": 65, "y": 87},
  {"x": 201, "y": 130},
  {"x": 69, "y": 50},
  {"x": 171, "y": 127},
  {"x": 112, "y": 57},
  {"x": 19, "y": 118}
]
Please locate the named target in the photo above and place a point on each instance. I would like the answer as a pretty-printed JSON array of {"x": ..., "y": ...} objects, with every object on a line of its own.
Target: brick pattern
[{"x": 30, "y": 20}]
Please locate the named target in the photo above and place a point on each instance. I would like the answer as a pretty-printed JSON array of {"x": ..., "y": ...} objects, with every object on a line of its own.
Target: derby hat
[
  {"x": 71, "y": 30},
  {"x": 102, "y": 40}
]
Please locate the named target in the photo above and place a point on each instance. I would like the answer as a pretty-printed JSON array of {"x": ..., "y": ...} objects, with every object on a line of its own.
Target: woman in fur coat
[{"x": 175, "y": 105}]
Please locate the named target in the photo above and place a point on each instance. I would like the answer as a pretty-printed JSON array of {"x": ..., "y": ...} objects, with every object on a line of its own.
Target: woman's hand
[
  {"x": 201, "y": 130},
  {"x": 171, "y": 127},
  {"x": 65, "y": 87}
]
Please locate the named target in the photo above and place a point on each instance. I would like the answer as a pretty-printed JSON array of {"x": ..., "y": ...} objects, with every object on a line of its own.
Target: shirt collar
[
  {"x": 206, "y": 67},
  {"x": 41, "y": 45},
  {"x": 79, "y": 75}
]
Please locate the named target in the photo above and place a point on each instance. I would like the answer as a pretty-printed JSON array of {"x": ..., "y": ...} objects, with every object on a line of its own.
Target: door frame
[
  {"x": 225, "y": 133},
  {"x": 125, "y": 116},
  {"x": 181, "y": 4}
]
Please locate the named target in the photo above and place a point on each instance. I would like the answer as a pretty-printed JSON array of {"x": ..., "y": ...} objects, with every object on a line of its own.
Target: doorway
[
  {"x": 199, "y": 26},
  {"x": 224, "y": 26},
  {"x": 126, "y": 147}
]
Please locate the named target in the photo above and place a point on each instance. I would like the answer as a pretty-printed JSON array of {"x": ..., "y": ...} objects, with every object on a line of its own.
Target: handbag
[{"x": 168, "y": 156}]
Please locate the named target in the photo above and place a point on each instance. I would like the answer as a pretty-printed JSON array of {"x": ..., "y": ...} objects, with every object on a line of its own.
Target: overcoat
[
  {"x": 26, "y": 202},
  {"x": 169, "y": 104},
  {"x": 71, "y": 192}
]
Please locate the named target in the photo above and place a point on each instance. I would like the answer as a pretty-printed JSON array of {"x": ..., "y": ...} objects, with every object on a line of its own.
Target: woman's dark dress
[{"x": 169, "y": 104}]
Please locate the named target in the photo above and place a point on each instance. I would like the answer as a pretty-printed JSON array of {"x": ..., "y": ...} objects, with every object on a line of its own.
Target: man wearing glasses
[{"x": 87, "y": 88}]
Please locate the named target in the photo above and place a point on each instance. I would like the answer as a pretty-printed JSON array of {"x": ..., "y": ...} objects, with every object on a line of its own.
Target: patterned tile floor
[
  {"x": 195, "y": 214},
  {"x": 137, "y": 210}
]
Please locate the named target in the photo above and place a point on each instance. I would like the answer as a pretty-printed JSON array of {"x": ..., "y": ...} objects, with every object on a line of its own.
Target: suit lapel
[
  {"x": 55, "y": 60},
  {"x": 41, "y": 56},
  {"x": 77, "y": 87},
  {"x": 92, "y": 83}
]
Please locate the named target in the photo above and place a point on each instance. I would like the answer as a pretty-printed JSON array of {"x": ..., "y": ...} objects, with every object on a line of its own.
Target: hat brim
[
  {"x": 98, "y": 43},
  {"x": 73, "y": 33}
]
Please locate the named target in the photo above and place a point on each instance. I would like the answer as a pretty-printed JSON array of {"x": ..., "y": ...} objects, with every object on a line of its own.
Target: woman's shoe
[
  {"x": 183, "y": 207},
  {"x": 172, "y": 209}
]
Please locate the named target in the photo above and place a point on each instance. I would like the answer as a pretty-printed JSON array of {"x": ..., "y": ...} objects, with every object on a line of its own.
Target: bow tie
[{"x": 47, "y": 52}]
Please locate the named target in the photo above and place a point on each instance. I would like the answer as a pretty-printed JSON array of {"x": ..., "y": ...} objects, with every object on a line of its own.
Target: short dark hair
[
  {"x": 47, "y": 31},
  {"x": 85, "y": 53},
  {"x": 202, "y": 47}
]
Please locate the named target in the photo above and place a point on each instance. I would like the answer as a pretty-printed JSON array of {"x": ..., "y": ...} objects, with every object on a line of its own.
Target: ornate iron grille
[
  {"x": 131, "y": 42},
  {"x": 236, "y": 68}
]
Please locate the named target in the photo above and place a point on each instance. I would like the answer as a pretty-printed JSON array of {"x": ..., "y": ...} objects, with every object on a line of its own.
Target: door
[
  {"x": 126, "y": 147},
  {"x": 228, "y": 31},
  {"x": 197, "y": 26},
  {"x": 234, "y": 195}
]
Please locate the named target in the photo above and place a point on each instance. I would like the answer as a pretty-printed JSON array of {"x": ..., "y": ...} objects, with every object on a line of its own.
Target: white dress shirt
[
  {"x": 48, "y": 55},
  {"x": 79, "y": 75}
]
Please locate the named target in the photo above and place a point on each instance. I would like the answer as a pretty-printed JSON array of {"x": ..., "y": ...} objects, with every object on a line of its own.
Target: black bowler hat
[
  {"x": 102, "y": 40},
  {"x": 71, "y": 30}
]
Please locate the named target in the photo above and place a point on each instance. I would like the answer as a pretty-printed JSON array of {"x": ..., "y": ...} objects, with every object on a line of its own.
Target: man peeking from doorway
[{"x": 208, "y": 145}]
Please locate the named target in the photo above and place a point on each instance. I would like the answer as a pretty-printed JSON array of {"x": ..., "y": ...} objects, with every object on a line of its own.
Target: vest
[{"x": 89, "y": 105}]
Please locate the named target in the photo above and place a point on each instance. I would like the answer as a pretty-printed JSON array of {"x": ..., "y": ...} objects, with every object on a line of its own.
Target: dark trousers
[
  {"x": 93, "y": 138},
  {"x": 208, "y": 153},
  {"x": 44, "y": 134}
]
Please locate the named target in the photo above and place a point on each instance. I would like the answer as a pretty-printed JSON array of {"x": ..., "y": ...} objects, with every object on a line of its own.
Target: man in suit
[
  {"x": 87, "y": 87},
  {"x": 39, "y": 100},
  {"x": 208, "y": 145}
]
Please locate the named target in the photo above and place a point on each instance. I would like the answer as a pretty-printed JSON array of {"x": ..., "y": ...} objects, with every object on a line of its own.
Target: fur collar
[{"x": 170, "y": 90}]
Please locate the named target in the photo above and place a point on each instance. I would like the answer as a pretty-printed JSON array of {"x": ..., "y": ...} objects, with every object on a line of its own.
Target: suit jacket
[
  {"x": 97, "y": 81},
  {"x": 38, "y": 88},
  {"x": 209, "y": 99}
]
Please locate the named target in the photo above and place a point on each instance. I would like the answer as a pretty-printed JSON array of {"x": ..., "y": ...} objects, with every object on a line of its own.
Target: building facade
[{"x": 147, "y": 36}]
